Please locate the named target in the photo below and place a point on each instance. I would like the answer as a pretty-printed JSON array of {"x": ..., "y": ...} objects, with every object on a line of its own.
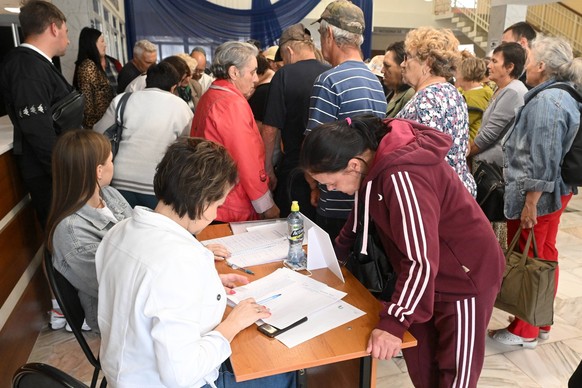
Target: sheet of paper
[
  {"x": 297, "y": 296},
  {"x": 328, "y": 318},
  {"x": 254, "y": 248},
  {"x": 320, "y": 253},
  {"x": 244, "y": 226}
]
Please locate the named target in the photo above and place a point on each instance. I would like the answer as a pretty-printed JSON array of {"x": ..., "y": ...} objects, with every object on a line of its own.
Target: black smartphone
[{"x": 272, "y": 331}]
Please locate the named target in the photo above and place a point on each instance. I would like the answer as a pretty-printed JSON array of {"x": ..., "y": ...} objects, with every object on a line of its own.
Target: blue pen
[
  {"x": 269, "y": 298},
  {"x": 234, "y": 266}
]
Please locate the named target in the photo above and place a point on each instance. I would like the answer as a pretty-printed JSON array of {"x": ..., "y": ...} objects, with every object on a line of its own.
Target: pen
[
  {"x": 268, "y": 299},
  {"x": 234, "y": 266}
]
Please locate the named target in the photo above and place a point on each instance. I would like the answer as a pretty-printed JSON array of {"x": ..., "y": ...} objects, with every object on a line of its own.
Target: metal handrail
[{"x": 554, "y": 19}]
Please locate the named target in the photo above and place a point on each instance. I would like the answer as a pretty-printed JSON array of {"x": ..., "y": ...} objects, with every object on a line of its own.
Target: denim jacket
[
  {"x": 534, "y": 148},
  {"x": 75, "y": 242}
]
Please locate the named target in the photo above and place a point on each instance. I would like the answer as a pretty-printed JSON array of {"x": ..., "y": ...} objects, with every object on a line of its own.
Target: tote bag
[{"x": 527, "y": 290}]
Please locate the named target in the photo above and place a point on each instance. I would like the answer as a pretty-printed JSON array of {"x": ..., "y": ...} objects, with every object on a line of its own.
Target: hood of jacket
[{"x": 406, "y": 143}]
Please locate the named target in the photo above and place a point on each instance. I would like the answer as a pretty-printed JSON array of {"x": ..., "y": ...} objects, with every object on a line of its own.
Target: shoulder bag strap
[{"x": 121, "y": 108}]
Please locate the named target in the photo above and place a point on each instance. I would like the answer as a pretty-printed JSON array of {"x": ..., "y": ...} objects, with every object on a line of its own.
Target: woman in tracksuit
[{"x": 438, "y": 240}]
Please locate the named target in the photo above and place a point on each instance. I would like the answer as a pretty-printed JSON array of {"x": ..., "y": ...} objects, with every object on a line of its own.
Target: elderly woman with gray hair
[
  {"x": 224, "y": 116},
  {"x": 535, "y": 193}
]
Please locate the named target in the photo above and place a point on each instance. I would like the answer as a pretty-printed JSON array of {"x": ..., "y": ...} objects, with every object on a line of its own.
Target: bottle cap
[{"x": 294, "y": 206}]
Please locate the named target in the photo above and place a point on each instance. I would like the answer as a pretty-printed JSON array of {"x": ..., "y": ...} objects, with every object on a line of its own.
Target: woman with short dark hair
[{"x": 161, "y": 300}]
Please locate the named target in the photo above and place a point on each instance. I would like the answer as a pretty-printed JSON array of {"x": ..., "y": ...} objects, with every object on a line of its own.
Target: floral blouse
[{"x": 442, "y": 107}]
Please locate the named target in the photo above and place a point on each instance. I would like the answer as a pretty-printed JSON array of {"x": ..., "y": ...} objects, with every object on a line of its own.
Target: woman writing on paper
[
  {"x": 429, "y": 225},
  {"x": 161, "y": 300}
]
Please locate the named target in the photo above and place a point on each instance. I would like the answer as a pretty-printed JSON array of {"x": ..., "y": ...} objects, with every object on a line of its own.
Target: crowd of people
[{"x": 241, "y": 139}]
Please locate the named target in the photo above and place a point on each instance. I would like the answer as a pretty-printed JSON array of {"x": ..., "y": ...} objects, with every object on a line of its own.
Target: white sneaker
[
  {"x": 84, "y": 327},
  {"x": 58, "y": 320}
]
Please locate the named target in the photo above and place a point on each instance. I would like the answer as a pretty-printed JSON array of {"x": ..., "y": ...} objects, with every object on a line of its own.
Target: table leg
[{"x": 367, "y": 372}]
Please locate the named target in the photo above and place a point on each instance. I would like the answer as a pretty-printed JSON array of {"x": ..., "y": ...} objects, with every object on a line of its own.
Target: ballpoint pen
[
  {"x": 234, "y": 266},
  {"x": 262, "y": 301}
]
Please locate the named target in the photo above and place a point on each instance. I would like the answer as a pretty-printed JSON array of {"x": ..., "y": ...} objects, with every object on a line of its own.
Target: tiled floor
[{"x": 549, "y": 365}]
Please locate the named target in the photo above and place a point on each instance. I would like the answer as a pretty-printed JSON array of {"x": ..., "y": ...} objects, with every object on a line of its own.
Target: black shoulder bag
[
  {"x": 372, "y": 268},
  {"x": 113, "y": 133}
]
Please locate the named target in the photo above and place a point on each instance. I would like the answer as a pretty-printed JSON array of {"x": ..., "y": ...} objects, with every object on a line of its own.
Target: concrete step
[
  {"x": 456, "y": 19},
  {"x": 466, "y": 30}
]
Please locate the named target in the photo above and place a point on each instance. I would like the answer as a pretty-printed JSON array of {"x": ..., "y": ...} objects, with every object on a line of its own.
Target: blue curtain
[
  {"x": 201, "y": 20},
  {"x": 367, "y": 7}
]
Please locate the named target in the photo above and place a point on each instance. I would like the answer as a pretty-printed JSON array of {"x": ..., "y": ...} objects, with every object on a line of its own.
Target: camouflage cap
[
  {"x": 345, "y": 15},
  {"x": 294, "y": 33}
]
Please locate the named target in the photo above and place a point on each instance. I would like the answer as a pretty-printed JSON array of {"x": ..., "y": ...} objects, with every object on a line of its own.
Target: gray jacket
[
  {"x": 498, "y": 115},
  {"x": 75, "y": 242}
]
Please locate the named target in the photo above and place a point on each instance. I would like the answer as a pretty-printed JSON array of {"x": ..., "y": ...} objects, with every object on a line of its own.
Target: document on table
[
  {"x": 319, "y": 322},
  {"x": 261, "y": 246},
  {"x": 249, "y": 226},
  {"x": 289, "y": 295}
]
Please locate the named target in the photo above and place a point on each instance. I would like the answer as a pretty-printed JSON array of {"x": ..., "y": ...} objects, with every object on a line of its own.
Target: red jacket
[
  {"x": 436, "y": 236},
  {"x": 223, "y": 115}
]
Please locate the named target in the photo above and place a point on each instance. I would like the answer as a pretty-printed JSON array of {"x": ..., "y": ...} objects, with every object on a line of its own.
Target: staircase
[
  {"x": 477, "y": 35},
  {"x": 471, "y": 17}
]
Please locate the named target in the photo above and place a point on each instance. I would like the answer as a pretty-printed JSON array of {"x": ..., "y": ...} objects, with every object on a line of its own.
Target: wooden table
[{"x": 255, "y": 355}]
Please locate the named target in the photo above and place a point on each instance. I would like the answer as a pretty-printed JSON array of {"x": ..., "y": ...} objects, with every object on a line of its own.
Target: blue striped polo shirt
[{"x": 347, "y": 90}]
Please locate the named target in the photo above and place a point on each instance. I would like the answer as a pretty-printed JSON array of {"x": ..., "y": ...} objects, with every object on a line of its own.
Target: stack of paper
[
  {"x": 260, "y": 246},
  {"x": 291, "y": 296}
]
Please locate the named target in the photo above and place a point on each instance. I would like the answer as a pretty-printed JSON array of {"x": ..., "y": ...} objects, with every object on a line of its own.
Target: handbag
[
  {"x": 371, "y": 268},
  {"x": 68, "y": 112},
  {"x": 528, "y": 286},
  {"x": 113, "y": 133},
  {"x": 490, "y": 190}
]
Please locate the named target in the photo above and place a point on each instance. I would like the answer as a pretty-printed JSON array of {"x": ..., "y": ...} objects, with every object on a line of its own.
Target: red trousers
[{"x": 546, "y": 231}]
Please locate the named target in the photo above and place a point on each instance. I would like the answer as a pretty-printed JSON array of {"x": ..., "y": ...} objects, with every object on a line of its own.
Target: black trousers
[{"x": 40, "y": 189}]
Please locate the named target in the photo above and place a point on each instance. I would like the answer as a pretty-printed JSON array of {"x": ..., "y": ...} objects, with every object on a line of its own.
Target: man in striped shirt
[{"x": 346, "y": 90}]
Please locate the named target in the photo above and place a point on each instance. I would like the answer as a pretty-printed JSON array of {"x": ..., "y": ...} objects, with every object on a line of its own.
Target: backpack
[{"x": 571, "y": 166}]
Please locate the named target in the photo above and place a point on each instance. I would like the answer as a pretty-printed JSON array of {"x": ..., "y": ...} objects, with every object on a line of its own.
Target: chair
[
  {"x": 37, "y": 375},
  {"x": 68, "y": 298}
]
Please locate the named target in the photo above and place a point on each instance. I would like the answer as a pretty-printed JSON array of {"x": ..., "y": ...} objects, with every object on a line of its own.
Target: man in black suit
[{"x": 31, "y": 85}]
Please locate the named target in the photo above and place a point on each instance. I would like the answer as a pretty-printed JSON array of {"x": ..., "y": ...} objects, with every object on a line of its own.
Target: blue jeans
[
  {"x": 226, "y": 380},
  {"x": 138, "y": 199}
]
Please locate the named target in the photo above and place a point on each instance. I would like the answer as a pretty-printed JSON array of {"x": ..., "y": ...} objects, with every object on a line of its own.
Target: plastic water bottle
[{"x": 295, "y": 228}]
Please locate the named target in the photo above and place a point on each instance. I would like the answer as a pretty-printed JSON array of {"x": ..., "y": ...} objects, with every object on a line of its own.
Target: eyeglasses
[{"x": 198, "y": 71}]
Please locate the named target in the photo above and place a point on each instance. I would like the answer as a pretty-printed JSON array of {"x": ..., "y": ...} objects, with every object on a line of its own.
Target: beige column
[{"x": 501, "y": 17}]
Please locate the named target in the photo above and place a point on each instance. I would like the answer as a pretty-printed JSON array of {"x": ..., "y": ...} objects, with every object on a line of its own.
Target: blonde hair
[
  {"x": 438, "y": 47},
  {"x": 191, "y": 62},
  {"x": 472, "y": 69}
]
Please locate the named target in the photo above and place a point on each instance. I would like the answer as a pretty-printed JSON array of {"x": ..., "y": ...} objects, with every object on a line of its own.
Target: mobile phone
[{"x": 272, "y": 331}]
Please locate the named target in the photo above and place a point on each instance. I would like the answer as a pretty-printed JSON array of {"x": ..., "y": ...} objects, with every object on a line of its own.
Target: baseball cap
[
  {"x": 270, "y": 52},
  {"x": 345, "y": 15},
  {"x": 375, "y": 65},
  {"x": 294, "y": 33}
]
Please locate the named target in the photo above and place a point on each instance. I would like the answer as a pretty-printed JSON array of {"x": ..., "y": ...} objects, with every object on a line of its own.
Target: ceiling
[{"x": 8, "y": 3}]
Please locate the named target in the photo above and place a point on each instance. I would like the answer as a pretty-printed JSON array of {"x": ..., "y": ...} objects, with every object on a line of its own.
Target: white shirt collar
[{"x": 28, "y": 45}]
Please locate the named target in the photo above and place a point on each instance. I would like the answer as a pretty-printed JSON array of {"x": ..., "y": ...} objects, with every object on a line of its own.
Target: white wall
[{"x": 393, "y": 14}]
